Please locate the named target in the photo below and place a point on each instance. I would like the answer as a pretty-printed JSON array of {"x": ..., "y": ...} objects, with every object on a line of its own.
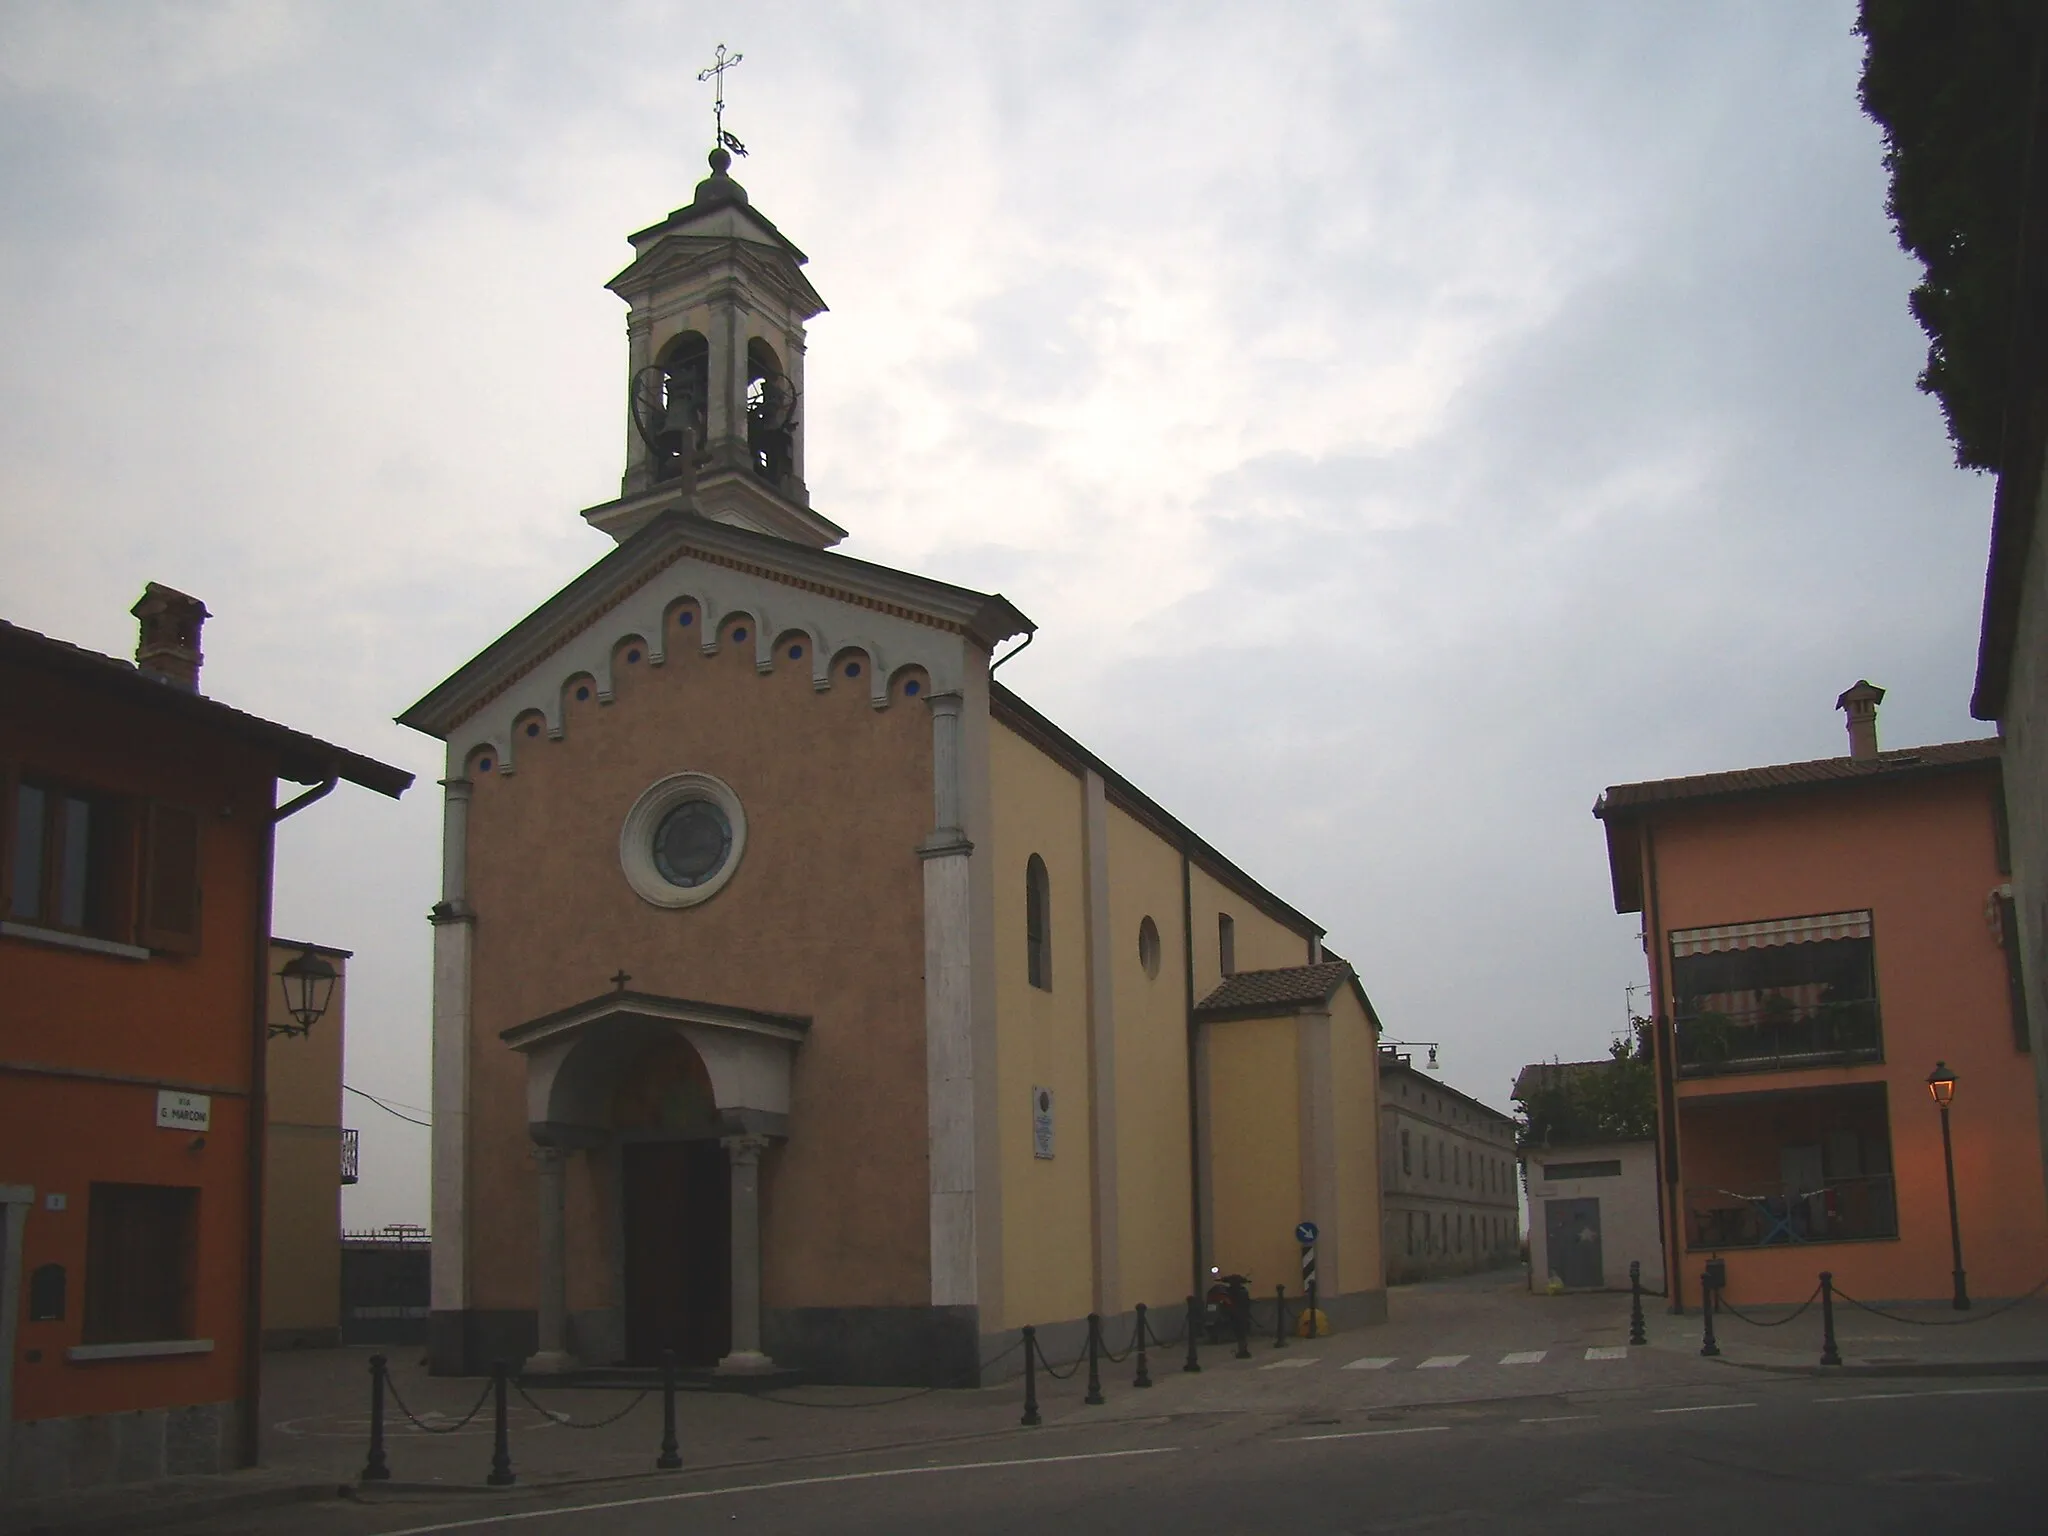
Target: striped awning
[{"x": 1783, "y": 930}]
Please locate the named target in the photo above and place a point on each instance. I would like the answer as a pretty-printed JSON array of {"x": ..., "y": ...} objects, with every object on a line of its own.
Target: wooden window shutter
[
  {"x": 2015, "y": 981},
  {"x": 170, "y": 880}
]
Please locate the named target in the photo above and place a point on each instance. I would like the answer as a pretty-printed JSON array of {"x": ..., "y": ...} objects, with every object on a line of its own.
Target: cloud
[{"x": 1402, "y": 420}]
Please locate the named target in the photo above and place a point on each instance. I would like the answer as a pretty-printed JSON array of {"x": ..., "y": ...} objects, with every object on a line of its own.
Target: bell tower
[{"x": 716, "y": 306}]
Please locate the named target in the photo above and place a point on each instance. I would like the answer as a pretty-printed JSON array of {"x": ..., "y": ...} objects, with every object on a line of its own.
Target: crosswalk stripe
[
  {"x": 1442, "y": 1362},
  {"x": 1283, "y": 1365},
  {"x": 1608, "y": 1352},
  {"x": 1524, "y": 1357},
  {"x": 1371, "y": 1363}
]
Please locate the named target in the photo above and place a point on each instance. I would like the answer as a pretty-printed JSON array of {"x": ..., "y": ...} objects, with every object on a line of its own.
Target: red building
[
  {"x": 137, "y": 819},
  {"x": 1821, "y": 937}
]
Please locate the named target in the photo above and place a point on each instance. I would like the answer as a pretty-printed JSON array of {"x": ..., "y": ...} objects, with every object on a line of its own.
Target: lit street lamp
[{"x": 1941, "y": 1084}]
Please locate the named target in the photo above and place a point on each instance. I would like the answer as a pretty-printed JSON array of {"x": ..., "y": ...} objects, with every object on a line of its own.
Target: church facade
[{"x": 803, "y": 997}]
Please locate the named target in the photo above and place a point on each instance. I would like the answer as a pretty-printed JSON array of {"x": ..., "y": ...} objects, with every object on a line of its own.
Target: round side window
[
  {"x": 1148, "y": 948},
  {"x": 682, "y": 840},
  {"x": 692, "y": 843}
]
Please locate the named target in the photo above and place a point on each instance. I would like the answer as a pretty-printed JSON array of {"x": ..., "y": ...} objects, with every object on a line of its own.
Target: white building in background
[{"x": 1447, "y": 1177}]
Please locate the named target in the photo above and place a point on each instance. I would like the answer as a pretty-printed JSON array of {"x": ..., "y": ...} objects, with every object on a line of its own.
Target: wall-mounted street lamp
[
  {"x": 308, "y": 983},
  {"x": 1414, "y": 1045},
  {"x": 1941, "y": 1086}
]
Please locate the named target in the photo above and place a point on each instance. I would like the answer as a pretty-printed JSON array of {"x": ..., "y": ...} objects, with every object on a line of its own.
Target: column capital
[
  {"x": 949, "y": 703},
  {"x": 456, "y": 789},
  {"x": 745, "y": 1149},
  {"x": 548, "y": 1155}
]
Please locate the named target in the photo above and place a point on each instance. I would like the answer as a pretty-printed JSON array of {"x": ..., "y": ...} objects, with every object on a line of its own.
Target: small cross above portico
[{"x": 619, "y": 978}]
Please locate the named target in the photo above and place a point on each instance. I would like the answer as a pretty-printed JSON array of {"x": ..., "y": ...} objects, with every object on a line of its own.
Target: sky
[{"x": 1401, "y": 420}]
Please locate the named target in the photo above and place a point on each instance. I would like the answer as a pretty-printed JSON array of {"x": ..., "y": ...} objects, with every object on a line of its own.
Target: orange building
[
  {"x": 136, "y": 826},
  {"x": 1821, "y": 937}
]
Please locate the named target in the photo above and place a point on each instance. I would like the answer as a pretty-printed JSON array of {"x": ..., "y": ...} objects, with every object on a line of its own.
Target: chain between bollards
[
  {"x": 669, "y": 1459},
  {"x": 1094, "y": 1397},
  {"x": 1194, "y": 1359},
  {"x": 376, "y": 1469},
  {"x": 1707, "y": 1344},
  {"x": 1144, "y": 1376},
  {"x": 1829, "y": 1355},
  {"x": 1279, "y": 1317},
  {"x": 1635, "y": 1303},
  {"x": 502, "y": 1475},
  {"x": 1030, "y": 1377}
]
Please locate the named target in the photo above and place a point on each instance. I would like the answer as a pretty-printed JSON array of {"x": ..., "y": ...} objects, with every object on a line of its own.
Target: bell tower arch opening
[{"x": 771, "y": 415}]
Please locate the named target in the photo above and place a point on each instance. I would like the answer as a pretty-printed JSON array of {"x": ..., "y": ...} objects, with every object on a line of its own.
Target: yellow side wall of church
[
  {"x": 1262, "y": 943},
  {"x": 1255, "y": 1142},
  {"x": 1153, "y": 1214},
  {"x": 1041, "y": 1038},
  {"x": 1354, "y": 1067}
]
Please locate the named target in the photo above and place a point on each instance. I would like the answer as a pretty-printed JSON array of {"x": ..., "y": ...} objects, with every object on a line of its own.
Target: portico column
[
  {"x": 949, "y": 1019},
  {"x": 554, "y": 1353},
  {"x": 744, "y": 1155}
]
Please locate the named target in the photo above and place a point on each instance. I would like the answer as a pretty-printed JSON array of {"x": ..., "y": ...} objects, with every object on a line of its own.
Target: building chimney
[
  {"x": 1861, "y": 703},
  {"x": 167, "y": 648}
]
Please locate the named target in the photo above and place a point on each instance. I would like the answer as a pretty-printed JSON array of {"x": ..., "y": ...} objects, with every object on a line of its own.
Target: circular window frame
[{"x": 636, "y": 838}]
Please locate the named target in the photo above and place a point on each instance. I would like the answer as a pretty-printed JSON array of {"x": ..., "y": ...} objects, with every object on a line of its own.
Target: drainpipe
[
  {"x": 1187, "y": 958},
  {"x": 1670, "y": 1197},
  {"x": 250, "y": 1428}
]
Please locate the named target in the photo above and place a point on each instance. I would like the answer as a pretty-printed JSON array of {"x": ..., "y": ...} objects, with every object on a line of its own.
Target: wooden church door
[{"x": 678, "y": 1200}]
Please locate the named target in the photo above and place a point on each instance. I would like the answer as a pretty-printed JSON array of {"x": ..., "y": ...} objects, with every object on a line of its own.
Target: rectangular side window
[
  {"x": 138, "y": 1266},
  {"x": 1407, "y": 1164},
  {"x": 26, "y": 855},
  {"x": 1226, "y": 943}
]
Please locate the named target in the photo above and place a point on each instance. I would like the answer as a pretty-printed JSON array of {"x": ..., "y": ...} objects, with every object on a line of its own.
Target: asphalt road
[{"x": 1742, "y": 1458}]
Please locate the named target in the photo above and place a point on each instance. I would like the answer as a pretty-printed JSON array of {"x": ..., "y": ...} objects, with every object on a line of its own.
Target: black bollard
[
  {"x": 1030, "y": 1376},
  {"x": 1144, "y": 1376},
  {"x": 1241, "y": 1320},
  {"x": 1829, "y": 1355},
  {"x": 1635, "y": 1303},
  {"x": 502, "y": 1475},
  {"x": 1094, "y": 1397},
  {"x": 668, "y": 1460},
  {"x": 1279, "y": 1317},
  {"x": 1707, "y": 1344},
  {"x": 376, "y": 1469},
  {"x": 1194, "y": 1359}
]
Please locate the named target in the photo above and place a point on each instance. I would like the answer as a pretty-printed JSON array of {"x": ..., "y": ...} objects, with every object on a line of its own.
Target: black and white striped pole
[{"x": 1305, "y": 1233}]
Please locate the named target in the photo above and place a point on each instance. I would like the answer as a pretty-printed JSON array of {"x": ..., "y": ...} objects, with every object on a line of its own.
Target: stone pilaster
[
  {"x": 949, "y": 1018},
  {"x": 746, "y": 1358},
  {"x": 454, "y": 943}
]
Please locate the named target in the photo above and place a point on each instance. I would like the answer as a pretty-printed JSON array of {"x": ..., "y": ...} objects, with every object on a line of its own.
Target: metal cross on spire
[{"x": 716, "y": 72}]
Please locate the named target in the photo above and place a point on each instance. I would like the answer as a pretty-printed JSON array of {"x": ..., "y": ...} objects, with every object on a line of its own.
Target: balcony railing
[
  {"x": 348, "y": 1157},
  {"x": 1764, "y": 1216},
  {"x": 1777, "y": 1039}
]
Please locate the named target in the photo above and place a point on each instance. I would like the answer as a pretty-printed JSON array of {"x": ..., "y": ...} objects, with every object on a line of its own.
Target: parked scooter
[{"x": 1227, "y": 1312}]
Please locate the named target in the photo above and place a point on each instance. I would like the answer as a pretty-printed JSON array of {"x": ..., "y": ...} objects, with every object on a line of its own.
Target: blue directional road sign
[{"x": 1305, "y": 1233}]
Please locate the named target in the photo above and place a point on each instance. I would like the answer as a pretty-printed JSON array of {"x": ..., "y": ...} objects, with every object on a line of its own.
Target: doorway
[
  {"x": 678, "y": 1242},
  {"x": 1571, "y": 1232}
]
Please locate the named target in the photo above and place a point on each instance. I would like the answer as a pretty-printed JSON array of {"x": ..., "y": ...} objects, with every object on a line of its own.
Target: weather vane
[{"x": 716, "y": 72}]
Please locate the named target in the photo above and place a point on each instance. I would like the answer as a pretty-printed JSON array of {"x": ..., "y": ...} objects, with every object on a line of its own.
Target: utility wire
[{"x": 408, "y": 1119}]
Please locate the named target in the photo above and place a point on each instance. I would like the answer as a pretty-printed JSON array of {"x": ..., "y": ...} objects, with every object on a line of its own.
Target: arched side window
[{"x": 1038, "y": 924}]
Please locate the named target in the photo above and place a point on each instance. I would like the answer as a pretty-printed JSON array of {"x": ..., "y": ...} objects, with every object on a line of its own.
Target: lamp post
[
  {"x": 1941, "y": 1086},
  {"x": 308, "y": 984}
]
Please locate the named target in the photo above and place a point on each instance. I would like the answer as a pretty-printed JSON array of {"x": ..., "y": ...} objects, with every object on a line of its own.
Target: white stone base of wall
[{"x": 45, "y": 1456}]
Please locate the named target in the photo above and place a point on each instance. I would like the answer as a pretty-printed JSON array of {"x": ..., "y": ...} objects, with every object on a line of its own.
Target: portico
[{"x": 655, "y": 1093}]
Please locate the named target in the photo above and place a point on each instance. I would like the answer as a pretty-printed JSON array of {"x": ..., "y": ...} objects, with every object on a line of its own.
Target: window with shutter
[
  {"x": 170, "y": 892},
  {"x": 138, "y": 1263}
]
